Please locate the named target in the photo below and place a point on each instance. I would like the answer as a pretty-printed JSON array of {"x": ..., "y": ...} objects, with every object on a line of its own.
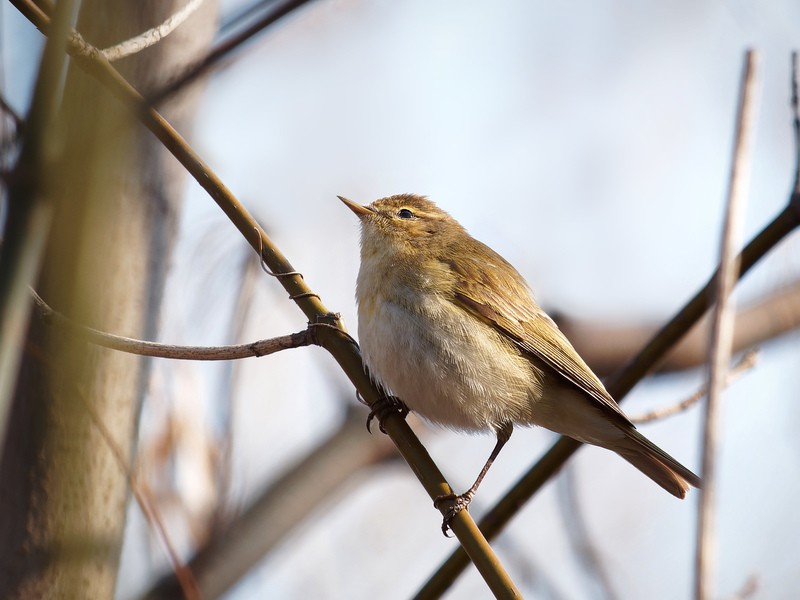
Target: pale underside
[{"x": 459, "y": 372}]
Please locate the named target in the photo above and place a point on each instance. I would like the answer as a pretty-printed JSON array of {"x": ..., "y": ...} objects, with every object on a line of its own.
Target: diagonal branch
[
  {"x": 333, "y": 337},
  {"x": 222, "y": 50},
  {"x": 744, "y": 364},
  {"x": 620, "y": 384},
  {"x": 606, "y": 347}
]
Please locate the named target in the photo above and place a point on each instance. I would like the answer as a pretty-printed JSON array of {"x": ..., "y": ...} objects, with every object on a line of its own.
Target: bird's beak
[{"x": 361, "y": 211}]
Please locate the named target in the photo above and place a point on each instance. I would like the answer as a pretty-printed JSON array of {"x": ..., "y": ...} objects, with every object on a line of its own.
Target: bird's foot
[
  {"x": 385, "y": 406},
  {"x": 450, "y": 505}
]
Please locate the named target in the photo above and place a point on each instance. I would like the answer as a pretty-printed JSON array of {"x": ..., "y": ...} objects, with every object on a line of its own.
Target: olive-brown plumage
[{"x": 450, "y": 327}]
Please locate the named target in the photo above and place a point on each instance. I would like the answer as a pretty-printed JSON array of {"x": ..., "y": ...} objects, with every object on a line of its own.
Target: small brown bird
[{"x": 450, "y": 327}]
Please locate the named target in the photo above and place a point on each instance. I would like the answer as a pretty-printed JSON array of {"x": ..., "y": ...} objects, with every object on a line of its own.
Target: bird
[{"x": 452, "y": 329}]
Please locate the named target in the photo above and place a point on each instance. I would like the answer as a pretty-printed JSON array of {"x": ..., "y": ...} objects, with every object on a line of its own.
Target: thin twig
[
  {"x": 722, "y": 328},
  {"x": 222, "y": 50},
  {"x": 145, "y": 348},
  {"x": 746, "y": 362},
  {"x": 183, "y": 573},
  {"x": 151, "y": 36}
]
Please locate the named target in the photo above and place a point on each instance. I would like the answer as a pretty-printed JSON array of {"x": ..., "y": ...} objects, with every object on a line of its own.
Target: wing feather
[{"x": 483, "y": 289}]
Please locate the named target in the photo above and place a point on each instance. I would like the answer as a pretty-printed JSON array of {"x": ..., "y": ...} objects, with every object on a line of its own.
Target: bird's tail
[{"x": 656, "y": 464}]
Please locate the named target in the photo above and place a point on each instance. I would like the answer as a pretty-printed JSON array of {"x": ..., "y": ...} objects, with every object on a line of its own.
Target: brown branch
[
  {"x": 155, "y": 349},
  {"x": 222, "y": 50},
  {"x": 332, "y": 337},
  {"x": 606, "y": 347},
  {"x": 620, "y": 384},
  {"x": 746, "y": 362}
]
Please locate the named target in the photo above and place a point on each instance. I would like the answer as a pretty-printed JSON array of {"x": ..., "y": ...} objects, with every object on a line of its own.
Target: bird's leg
[
  {"x": 457, "y": 503},
  {"x": 385, "y": 406}
]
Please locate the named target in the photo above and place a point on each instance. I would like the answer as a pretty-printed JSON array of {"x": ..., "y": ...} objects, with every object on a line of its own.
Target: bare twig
[
  {"x": 722, "y": 329},
  {"x": 222, "y": 50},
  {"x": 745, "y": 363},
  {"x": 183, "y": 575},
  {"x": 145, "y": 348},
  {"x": 151, "y": 36}
]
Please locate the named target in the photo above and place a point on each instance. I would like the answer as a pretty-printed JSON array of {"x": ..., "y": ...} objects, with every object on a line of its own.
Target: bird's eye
[{"x": 404, "y": 213}]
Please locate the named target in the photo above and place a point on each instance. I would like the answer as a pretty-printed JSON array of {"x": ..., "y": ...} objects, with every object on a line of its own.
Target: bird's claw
[
  {"x": 385, "y": 406},
  {"x": 450, "y": 505}
]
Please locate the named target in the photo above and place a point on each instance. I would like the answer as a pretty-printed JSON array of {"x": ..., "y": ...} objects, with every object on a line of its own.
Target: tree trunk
[{"x": 64, "y": 493}]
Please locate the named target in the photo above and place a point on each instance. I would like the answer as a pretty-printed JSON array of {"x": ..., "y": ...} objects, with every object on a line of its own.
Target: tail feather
[{"x": 657, "y": 464}]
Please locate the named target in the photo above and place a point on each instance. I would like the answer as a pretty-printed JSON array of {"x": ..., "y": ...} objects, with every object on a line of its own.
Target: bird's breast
[{"x": 444, "y": 363}]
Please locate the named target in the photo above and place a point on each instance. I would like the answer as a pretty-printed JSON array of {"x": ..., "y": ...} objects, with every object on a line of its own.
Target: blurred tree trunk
[{"x": 63, "y": 498}]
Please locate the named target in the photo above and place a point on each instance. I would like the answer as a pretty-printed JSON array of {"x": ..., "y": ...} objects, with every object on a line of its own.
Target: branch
[
  {"x": 745, "y": 363},
  {"x": 605, "y": 347},
  {"x": 143, "y": 348},
  {"x": 151, "y": 36},
  {"x": 722, "y": 331},
  {"x": 332, "y": 336},
  {"x": 222, "y": 50},
  {"x": 622, "y": 383}
]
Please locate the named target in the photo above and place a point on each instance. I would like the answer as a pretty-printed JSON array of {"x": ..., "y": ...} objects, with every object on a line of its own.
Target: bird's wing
[{"x": 483, "y": 289}]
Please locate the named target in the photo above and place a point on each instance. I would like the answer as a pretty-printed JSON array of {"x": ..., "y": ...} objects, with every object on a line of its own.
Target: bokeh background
[{"x": 587, "y": 142}]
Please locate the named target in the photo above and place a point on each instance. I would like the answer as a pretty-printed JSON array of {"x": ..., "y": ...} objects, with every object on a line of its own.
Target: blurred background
[{"x": 587, "y": 142}]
